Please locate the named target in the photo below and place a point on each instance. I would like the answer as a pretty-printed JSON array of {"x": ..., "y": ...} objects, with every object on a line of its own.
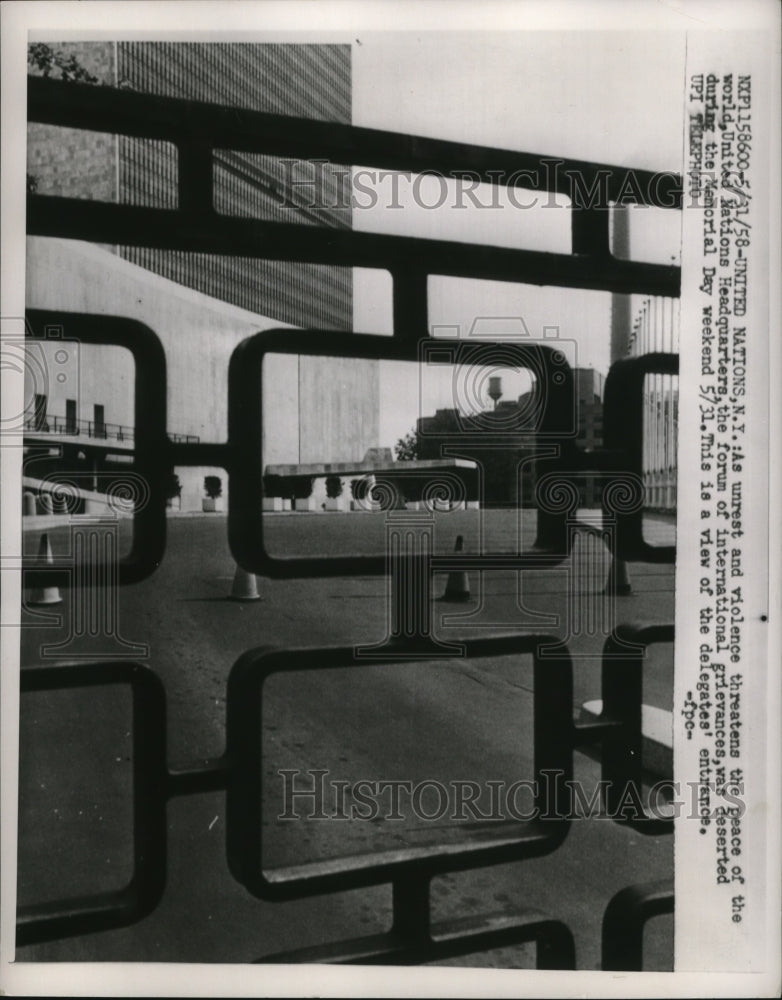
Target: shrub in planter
[
  {"x": 213, "y": 487},
  {"x": 173, "y": 490},
  {"x": 301, "y": 487},
  {"x": 334, "y": 499},
  {"x": 301, "y": 492}
]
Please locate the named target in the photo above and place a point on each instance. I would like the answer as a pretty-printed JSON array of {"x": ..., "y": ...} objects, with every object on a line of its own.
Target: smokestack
[
  {"x": 495, "y": 389},
  {"x": 620, "y": 304}
]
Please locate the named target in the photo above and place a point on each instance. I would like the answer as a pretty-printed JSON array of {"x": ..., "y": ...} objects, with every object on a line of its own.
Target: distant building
[{"x": 508, "y": 452}]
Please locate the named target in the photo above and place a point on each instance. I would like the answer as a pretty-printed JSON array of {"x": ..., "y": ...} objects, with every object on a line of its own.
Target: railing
[
  {"x": 197, "y": 130},
  {"x": 656, "y": 329},
  {"x": 92, "y": 429}
]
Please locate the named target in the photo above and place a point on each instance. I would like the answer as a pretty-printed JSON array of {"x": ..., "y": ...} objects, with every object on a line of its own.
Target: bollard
[{"x": 245, "y": 586}]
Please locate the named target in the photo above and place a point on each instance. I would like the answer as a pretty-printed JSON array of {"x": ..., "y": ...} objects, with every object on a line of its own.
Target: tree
[
  {"x": 301, "y": 487},
  {"x": 54, "y": 63},
  {"x": 213, "y": 487},
  {"x": 407, "y": 448},
  {"x": 173, "y": 486},
  {"x": 333, "y": 487}
]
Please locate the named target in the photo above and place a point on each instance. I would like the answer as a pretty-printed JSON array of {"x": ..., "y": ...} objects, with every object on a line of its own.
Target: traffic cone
[
  {"x": 45, "y": 595},
  {"x": 245, "y": 586},
  {"x": 618, "y": 582},
  {"x": 458, "y": 586}
]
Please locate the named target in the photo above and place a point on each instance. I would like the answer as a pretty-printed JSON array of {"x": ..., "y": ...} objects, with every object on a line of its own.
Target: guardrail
[{"x": 93, "y": 429}]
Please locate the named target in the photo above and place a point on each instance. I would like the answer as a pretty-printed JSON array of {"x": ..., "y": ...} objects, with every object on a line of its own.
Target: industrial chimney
[
  {"x": 495, "y": 389},
  {"x": 620, "y": 304}
]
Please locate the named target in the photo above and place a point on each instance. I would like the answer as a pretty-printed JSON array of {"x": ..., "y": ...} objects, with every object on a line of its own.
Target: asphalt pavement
[{"x": 445, "y": 720}]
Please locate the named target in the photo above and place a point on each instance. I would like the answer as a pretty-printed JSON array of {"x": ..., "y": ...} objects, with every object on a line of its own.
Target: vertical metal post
[
  {"x": 410, "y": 305},
  {"x": 412, "y": 910},
  {"x": 409, "y": 548}
]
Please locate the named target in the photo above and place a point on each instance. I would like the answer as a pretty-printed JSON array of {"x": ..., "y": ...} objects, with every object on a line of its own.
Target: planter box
[
  {"x": 458, "y": 505},
  {"x": 308, "y": 503},
  {"x": 336, "y": 503},
  {"x": 286, "y": 503},
  {"x": 441, "y": 505},
  {"x": 413, "y": 504},
  {"x": 473, "y": 505},
  {"x": 273, "y": 503},
  {"x": 209, "y": 506}
]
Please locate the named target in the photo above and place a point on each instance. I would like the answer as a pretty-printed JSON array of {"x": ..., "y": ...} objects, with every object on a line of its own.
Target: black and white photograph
[{"x": 390, "y": 541}]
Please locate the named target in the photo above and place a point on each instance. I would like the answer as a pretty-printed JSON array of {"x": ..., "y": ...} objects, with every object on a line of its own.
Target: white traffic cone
[
  {"x": 45, "y": 595},
  {"x": 245, "y": 586},
  {"x": 458, "y": 586}
]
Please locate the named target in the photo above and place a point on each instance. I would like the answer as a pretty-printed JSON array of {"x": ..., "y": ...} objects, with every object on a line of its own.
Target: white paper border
[{"x": 346, "y": 19}]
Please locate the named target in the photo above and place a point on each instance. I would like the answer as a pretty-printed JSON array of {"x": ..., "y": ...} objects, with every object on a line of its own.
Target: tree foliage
[
  {"x": 173, "y": 486},
  {"x": 407, "y": 448},
  {"x": 55, "y": 63},
  {"x": 213, "y": 487},
  {"x": 333, "y": 487}
]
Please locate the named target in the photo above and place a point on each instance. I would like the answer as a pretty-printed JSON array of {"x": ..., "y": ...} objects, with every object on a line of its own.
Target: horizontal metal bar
[
  {"x": 101, "y": 222},
  {"x": 207, "y": 776},
  {"x": 449, "y": 939},
  {"x": 199, "y": 453},
  {"x": 73, "y": 917},
  {"x": 553, "y": 755},
  {"x": 105, "y": 109},
  {"x": 592, "y": 731}
]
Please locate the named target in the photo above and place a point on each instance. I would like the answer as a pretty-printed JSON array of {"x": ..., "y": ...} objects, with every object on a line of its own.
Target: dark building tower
[{"x": 620, "y": 304}]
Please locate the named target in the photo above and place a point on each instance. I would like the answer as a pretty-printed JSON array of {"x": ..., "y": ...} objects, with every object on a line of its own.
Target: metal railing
[
  {"x": 197, "y": 130},
  {"x": 92, "y": 429}
]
